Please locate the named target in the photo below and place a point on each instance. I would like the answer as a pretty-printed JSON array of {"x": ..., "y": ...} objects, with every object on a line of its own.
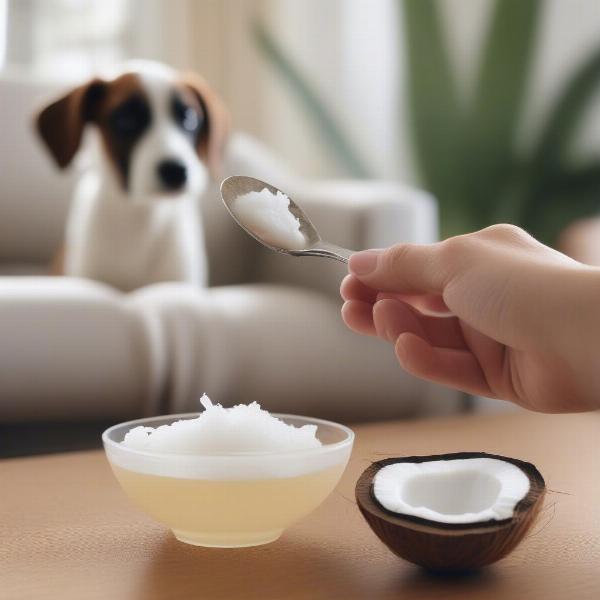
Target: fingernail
[
  {"x": 381, "y": 324},
  {"x": 363, "y": 263},
  {"x": 401, "y": 352}
]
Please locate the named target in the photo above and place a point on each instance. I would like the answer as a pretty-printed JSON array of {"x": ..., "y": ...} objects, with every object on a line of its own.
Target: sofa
[{"x": 267, "y": 328}]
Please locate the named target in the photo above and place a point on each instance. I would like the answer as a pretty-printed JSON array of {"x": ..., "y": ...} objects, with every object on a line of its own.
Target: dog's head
[{"x": 162, "y": 133}]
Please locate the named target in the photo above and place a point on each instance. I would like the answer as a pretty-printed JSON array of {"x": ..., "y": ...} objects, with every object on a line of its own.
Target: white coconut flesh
[{"x": 457, "y": 491}]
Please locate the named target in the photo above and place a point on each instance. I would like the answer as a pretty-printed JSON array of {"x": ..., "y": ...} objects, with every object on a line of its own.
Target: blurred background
[{"x": 492, "y": 107}]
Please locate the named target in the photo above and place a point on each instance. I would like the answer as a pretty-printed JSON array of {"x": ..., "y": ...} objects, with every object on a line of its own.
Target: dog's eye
[
  {"x": 126, "y": 123},
  {"x": 130, "y": 118},
  {"x": 186, "y": 116}
]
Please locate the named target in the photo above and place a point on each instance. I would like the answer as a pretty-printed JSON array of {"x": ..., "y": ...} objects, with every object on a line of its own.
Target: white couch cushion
[
  {"x": 285, "y": 348},
  {"x": 75, "y": 349}
]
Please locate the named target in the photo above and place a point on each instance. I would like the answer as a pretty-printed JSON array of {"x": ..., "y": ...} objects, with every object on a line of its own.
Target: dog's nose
[{"x": 172, "y": 174}]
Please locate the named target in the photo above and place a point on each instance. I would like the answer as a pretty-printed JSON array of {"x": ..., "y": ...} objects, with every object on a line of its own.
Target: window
[{"x": 74, "y": 36}]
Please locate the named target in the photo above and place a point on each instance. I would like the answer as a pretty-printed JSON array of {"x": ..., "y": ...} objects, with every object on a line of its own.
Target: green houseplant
[{"x": 466, "y": 150}]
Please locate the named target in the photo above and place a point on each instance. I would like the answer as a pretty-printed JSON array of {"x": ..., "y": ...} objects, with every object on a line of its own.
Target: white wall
[{"x": 350, "y": 51}]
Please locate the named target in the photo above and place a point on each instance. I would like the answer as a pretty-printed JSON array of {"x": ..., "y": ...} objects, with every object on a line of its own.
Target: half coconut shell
[{"x": 440, "y": 546}]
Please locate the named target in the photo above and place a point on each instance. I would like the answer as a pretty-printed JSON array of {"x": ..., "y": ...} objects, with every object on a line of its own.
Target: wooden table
[{"x": 67, "y": 531}]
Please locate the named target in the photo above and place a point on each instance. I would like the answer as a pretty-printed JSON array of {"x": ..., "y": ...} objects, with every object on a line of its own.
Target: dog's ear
[
  {"x": 61, "y": 123},
  {"x": 214, "y": 134}
]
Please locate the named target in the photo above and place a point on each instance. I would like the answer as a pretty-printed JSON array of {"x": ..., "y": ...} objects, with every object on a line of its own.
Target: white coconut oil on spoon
[{"x": 275, "y": 220}]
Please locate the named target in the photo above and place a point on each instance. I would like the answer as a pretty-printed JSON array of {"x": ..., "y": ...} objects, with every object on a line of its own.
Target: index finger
[{"x": 403, "y": 268}]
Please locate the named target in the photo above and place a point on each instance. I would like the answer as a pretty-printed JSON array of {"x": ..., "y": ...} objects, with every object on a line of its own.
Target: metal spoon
[{"x": 238, "y": 185}]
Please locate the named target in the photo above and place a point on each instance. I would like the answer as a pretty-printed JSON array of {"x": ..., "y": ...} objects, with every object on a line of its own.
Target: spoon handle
[{"x": 328, "y": 250}]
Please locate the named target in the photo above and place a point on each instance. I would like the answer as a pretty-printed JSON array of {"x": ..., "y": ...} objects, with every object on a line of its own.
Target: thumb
[{"x": 403, "y": 268}]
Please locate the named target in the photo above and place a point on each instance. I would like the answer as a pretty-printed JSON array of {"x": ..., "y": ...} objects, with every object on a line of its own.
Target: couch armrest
[
  {"x": 75, "y": 349},
  {"x": 369, "y": 214},
  {"x": 355, "y": 215}
]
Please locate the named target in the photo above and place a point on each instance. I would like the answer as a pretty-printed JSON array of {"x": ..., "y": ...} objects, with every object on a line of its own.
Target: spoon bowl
[{"x": 238, "y": 185}]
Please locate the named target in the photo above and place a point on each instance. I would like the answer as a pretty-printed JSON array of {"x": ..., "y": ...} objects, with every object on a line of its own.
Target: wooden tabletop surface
[{"x": 68, "y": 532}]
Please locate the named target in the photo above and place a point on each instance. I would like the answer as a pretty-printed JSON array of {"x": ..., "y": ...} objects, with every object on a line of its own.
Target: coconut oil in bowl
[{"x": 229, "y": 499}]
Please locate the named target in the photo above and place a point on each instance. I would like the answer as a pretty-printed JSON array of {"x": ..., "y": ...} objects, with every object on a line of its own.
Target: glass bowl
[{"x": 229, "y": 500}]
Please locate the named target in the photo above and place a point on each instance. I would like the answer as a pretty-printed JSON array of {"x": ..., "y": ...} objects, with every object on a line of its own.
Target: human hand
[{"x": 493, "y": 313}]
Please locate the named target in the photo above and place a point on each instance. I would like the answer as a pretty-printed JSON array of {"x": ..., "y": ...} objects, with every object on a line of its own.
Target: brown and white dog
[{"x": 159, "y": 138}]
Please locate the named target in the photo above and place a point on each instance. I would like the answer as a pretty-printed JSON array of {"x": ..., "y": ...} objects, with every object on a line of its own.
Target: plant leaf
[
  {"x": 585, "y": 177},
  {"x": 561, "y": 210},
  {"x": 568, "y": 196},
  {"x": 561, "y": 124},
  {"x": 435, "y": 112},
  {"x": 324, "y": 121},
  {"x": 498, "y": 98},
  {"x": 557, "y": 135}
]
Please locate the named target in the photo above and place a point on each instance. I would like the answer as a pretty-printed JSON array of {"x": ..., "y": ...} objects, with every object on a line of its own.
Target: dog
[{"x": 158, "y": 140}]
